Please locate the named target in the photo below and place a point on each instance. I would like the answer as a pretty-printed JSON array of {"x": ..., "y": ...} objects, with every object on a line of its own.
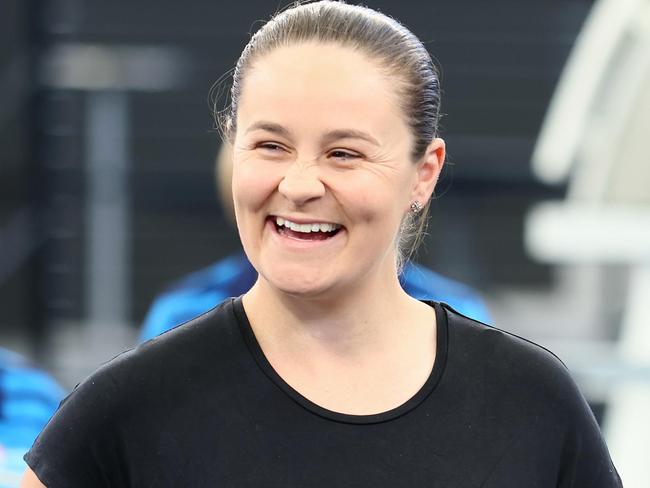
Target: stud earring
[{"x": 416, "y": 207}]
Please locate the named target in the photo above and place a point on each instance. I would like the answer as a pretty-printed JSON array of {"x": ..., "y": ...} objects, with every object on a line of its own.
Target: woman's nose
[{"x": 301, "y": 183}]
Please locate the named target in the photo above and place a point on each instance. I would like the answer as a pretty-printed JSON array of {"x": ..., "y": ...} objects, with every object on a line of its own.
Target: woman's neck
[{"x": 356, "y": 321}]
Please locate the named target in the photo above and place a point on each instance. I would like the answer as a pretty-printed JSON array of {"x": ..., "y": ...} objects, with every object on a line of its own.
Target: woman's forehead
[{"x": 317, "y": 83}]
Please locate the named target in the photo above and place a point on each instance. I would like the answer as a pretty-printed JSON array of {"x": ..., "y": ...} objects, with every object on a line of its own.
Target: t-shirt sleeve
[
  {"x": 558, "y": 417},
  {"x": 585, "y": 459},
  {"x": 80, "y": 446}
]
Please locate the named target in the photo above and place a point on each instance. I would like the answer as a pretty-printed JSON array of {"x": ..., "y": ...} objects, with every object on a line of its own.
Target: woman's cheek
[
  {"x": 373, "y": 204},
  {"x": 254, "y": 182}
]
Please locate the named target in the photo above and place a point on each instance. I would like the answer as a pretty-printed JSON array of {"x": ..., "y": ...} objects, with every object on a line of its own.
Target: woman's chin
[
  {"x": 294, "y": 276},
  {"x": 303, "y": 283},
  {"x": 301, "y": 287}
]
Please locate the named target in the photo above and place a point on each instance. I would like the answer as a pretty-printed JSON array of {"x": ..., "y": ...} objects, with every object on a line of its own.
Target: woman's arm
[{"x": 30, "y": 480}]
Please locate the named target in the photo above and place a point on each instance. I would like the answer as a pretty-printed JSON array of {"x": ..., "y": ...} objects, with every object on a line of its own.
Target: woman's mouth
[{"x": 309, "y": 231}]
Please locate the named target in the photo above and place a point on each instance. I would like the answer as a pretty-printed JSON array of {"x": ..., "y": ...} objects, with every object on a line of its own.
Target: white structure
[{"x": 596, "y": 137}]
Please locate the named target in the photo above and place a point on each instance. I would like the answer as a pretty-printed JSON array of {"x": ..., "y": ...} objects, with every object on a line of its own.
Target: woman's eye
[
  {"x": 344, "y": 155},
  {"x": 270, "y": 146}
]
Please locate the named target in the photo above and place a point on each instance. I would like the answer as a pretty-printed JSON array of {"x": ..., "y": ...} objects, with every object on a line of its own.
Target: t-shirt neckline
[{"x": 410, "y": 404}]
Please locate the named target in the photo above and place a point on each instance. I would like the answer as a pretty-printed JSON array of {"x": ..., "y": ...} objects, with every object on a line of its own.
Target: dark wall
[{"x": 20, "y": 238}]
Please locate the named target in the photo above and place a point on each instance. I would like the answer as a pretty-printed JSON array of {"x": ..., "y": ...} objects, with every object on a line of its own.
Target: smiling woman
[
  {"x": 326, "y": 373},
  {"x": 311, "y": 149}
]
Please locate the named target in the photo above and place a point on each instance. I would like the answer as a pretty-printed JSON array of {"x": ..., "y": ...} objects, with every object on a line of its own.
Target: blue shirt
[
  {"x": 28, "y": 398},
  {"x": 200, "y": 291}
]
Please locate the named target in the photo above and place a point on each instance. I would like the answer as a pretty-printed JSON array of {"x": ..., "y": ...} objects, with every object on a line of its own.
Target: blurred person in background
[
  {"x": 327, "y": 373},
  {"x": 234, "y": 275},
  {"x": 28, "y": 398}
]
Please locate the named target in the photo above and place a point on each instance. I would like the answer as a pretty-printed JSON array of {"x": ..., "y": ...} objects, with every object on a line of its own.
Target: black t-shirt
[{"x": 201, "y": 406}]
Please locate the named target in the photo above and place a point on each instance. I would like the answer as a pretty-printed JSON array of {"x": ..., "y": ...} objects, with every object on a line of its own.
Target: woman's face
[{"x": 322, "y": 175}]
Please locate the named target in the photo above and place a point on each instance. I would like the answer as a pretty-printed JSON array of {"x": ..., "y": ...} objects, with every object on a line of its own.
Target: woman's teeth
[{"x": 315, "y": 227}]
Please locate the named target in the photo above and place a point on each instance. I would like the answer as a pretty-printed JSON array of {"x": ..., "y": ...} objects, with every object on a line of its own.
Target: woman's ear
[{"x": 428, "y": 171}]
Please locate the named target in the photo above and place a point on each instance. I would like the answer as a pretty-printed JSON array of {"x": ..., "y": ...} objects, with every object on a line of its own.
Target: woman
[{"x": 326, "y": 373}]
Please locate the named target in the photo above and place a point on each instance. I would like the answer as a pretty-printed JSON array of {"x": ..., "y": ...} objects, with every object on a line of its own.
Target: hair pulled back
[{"x": 397, "y": 51}]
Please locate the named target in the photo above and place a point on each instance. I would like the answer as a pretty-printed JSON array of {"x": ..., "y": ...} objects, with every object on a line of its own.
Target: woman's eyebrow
[
  {"x": 328, "y": 137},
  {"x": 269, "y": 127},
  {"x": 337, "y": 134}
]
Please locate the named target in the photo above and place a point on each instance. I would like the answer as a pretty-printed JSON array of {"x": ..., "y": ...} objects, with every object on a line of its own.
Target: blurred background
[{"x": 107, "y": 187}]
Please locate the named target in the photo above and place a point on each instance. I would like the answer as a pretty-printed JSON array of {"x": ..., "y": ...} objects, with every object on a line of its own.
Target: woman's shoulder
[
  {"x": 508, "y": 362},
  {"x": 164, "y": 361},
  {"x": 214, "y": 329},
  {"x": 130, "y": 396},
  {"x": 489, "y": 341},
  {"x": 527, "y": 391}
]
